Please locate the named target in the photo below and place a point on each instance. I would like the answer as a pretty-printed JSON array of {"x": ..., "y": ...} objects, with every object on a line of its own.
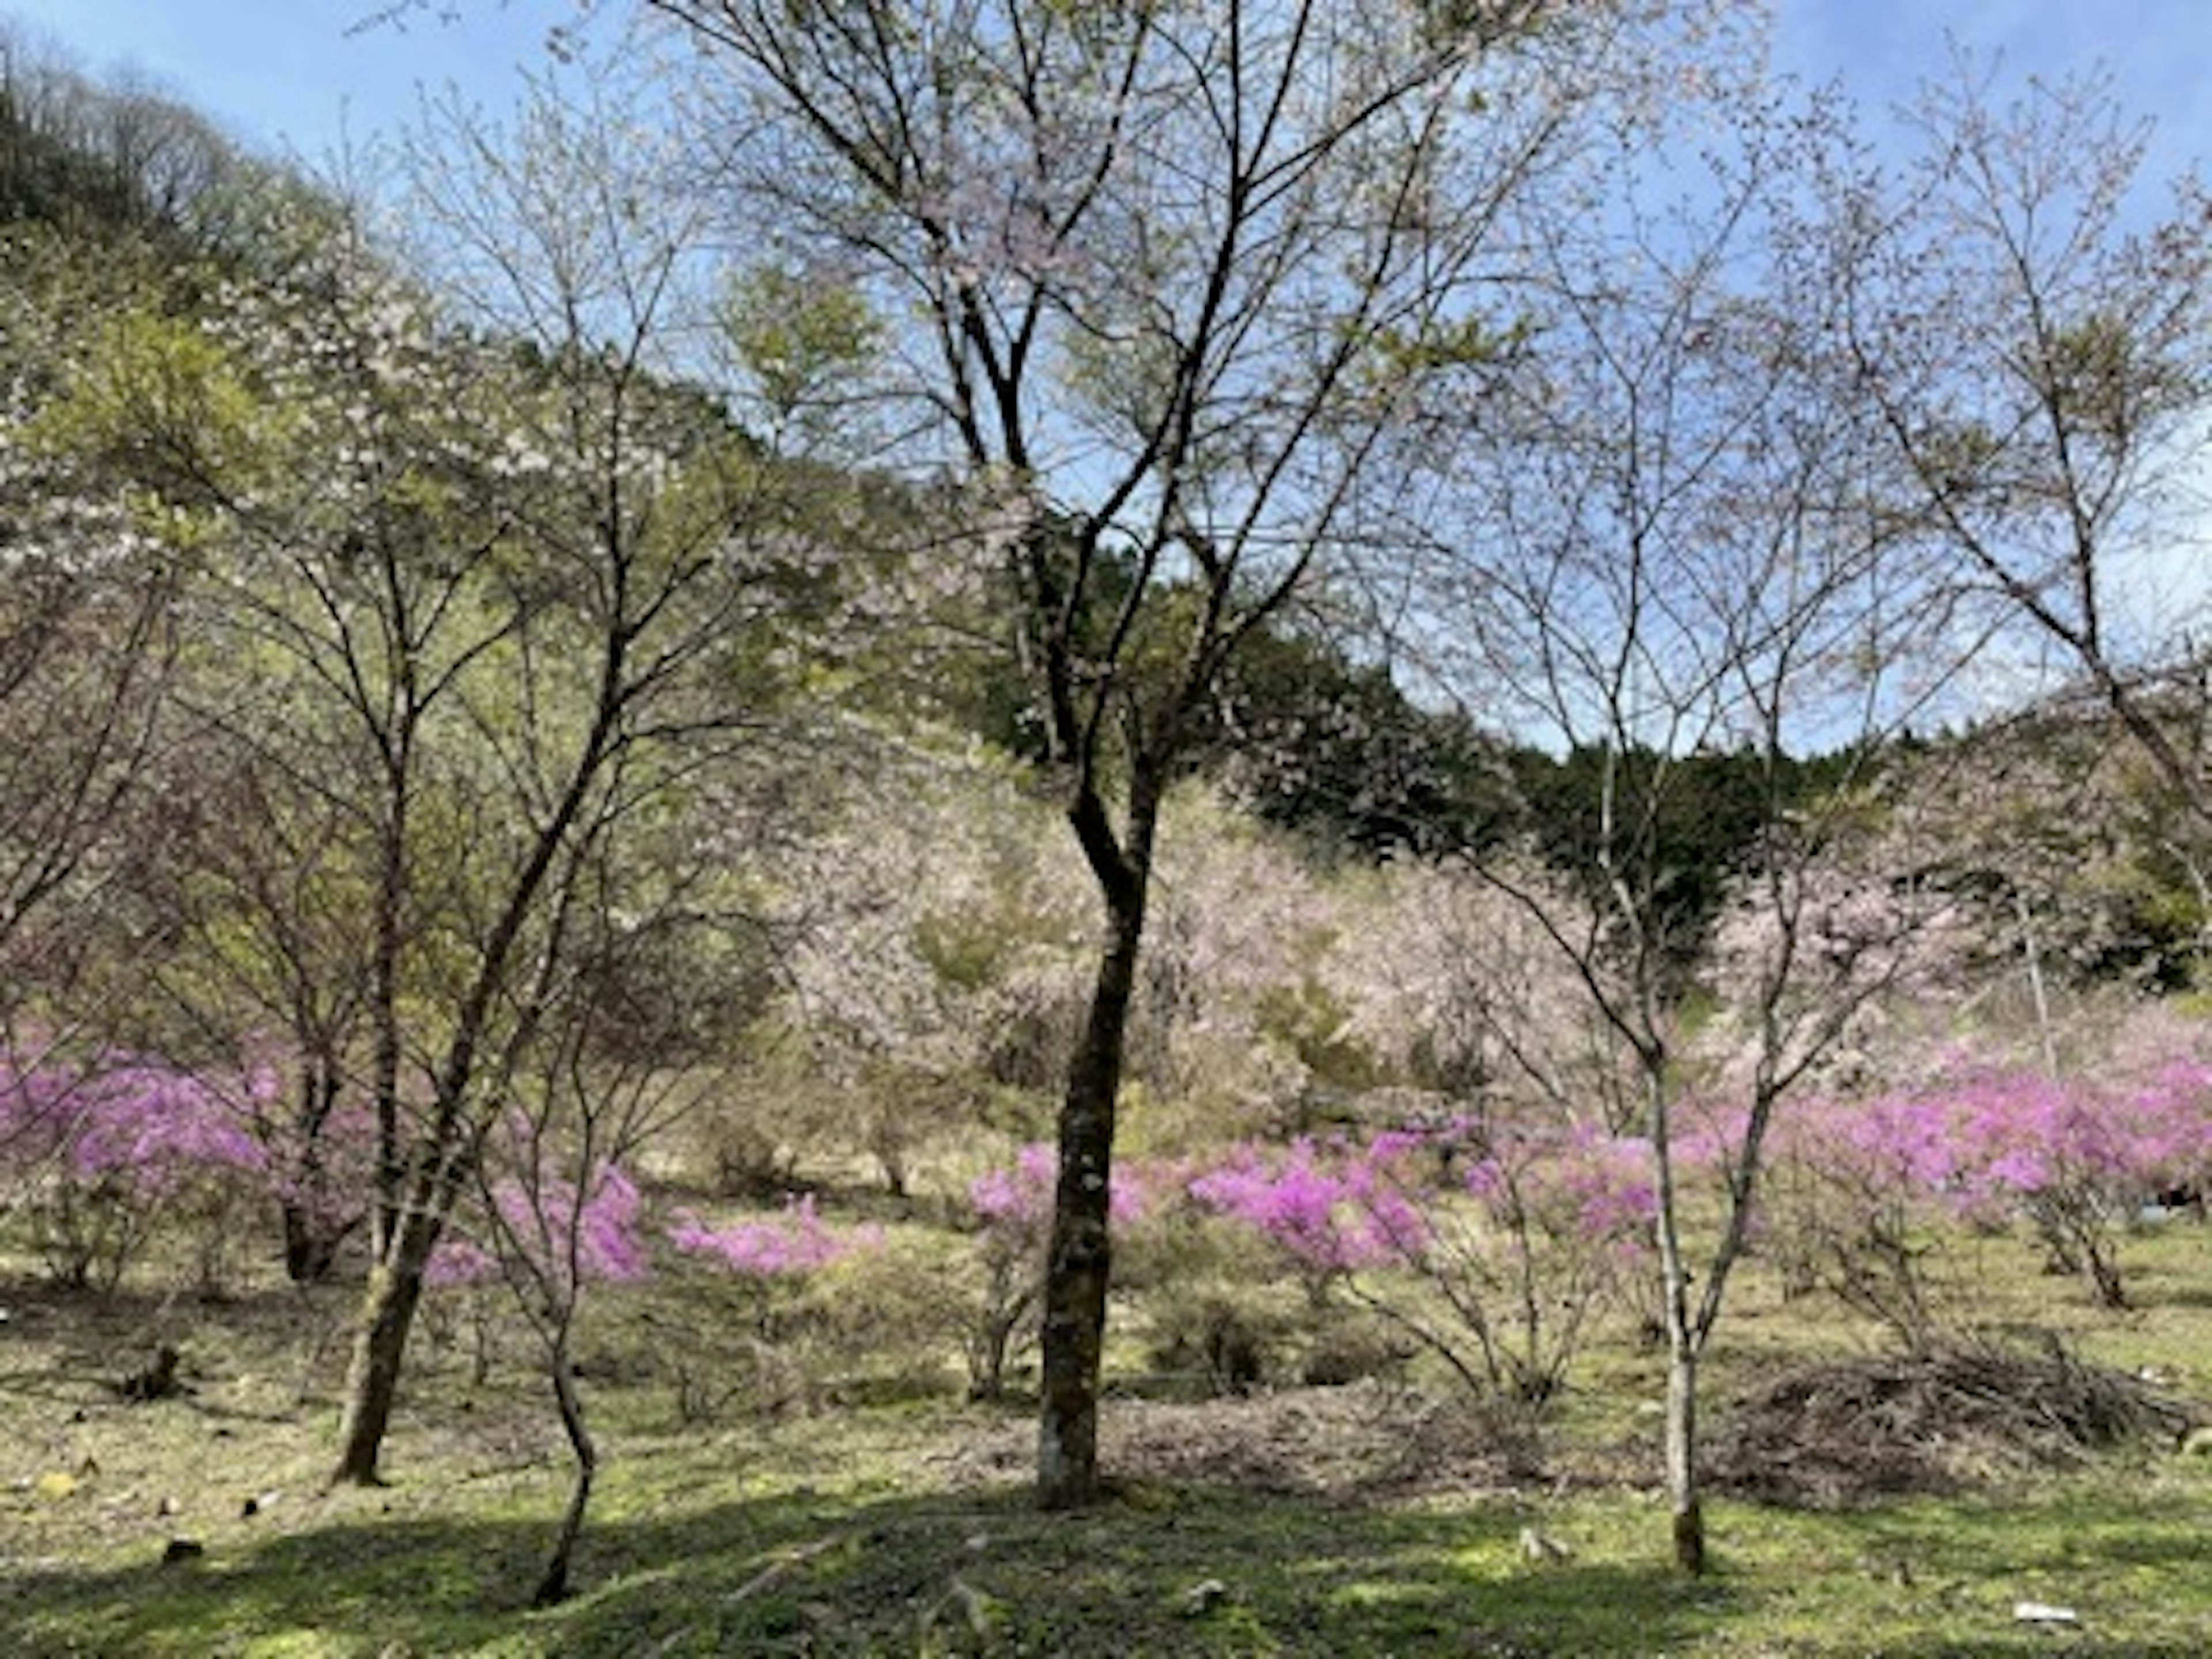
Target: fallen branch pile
[{"x": 1857, "y": 1430}]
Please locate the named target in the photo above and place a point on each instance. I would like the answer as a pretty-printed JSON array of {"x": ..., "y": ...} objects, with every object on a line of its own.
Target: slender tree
[
  {"x": 1163, "y": 275},
  {"x": 504, "y": 561},
  {"x": 1670, "y": 549},
  {"x": 619, "y": 1052}
]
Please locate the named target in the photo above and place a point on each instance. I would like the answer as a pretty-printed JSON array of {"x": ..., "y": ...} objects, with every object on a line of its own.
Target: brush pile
[{"x": 1851, "y": 1431}]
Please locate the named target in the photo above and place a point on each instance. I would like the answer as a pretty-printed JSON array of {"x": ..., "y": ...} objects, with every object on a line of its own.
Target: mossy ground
[{"x": 1379, "y": 1518}]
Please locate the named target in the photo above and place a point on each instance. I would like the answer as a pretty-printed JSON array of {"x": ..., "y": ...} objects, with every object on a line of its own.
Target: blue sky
[
  {"x": 295, "y": 75},
  {"x": 283, "y": 73}
]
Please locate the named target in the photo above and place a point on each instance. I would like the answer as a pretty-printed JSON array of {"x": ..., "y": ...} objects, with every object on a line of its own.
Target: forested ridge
[{"x": 1037, "y": 704}]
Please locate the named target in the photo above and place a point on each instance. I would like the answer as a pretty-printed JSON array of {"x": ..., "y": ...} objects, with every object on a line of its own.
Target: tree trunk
[
  {"x": 554, "y": 1586},
  {"x": 312, "y": 1242},
  {"x": 1685, "y": 1335},
  {"x": 395, "y": 1290},
  {"x": 1077, "y": 1268},
  {"x": 1684, "y": 1499}
]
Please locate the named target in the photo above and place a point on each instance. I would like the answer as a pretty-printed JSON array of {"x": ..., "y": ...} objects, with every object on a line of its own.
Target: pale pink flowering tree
[
  {"x": 1457, "y": 989},
  {"x": 1821, "y": 952},
  {"x": 935, "y": 945},
  {"x": 1666, "y": 547},
  {"x": 1237, "y": 1014},
  {"x": 1163, "y": 278},
  {"x": 89, "y": 617},
  {"x": 508, "y": 590},
  {"x": 2035, "y": 345}
]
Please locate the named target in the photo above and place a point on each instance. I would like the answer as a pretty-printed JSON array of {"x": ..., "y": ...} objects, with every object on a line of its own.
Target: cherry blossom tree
[
  {"x": 1163, "y": 276},
  {"x": 1668, "y": 546},
  {"x": 87, "y": 617},
  {"x": 2030, "y": 328}
]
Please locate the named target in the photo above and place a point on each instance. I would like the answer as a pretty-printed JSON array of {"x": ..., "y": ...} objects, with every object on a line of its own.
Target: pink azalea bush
[
  {"x": 789, "y": 1245},
  {"x": 1852, "y": 1202},
  {"x": 1860, "y": 1188},
  {"x": 1011, "y": 1208},
  {"x": 552, "y": 1234},
  {"x": 1520, "y": 1232},
  {"x": 319, "y": 1135},
  {"x": 2079, "y": 1157},
  {"x": 1331, "y": 1209},
  {"x": 101, "y": 1155}
]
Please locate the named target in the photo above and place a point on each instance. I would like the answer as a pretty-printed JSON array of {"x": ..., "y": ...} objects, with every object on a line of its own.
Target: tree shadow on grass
[
  {"x": 1190, "y": 1570},
  {"x": 1160, "y": 1571}
]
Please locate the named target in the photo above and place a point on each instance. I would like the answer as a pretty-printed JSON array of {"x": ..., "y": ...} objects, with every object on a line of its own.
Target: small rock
[
  {"x": 1541, "y": 1546},
  {"x": 155, "y": 1380},
  {"x": 2197, "y": 1443},
  {"x": 181, "y": 1551},
  {"x": 1203, "y": 1597},
  {"x": 257, "y": 1503},
  {"x": 2042, "y": 1613}
]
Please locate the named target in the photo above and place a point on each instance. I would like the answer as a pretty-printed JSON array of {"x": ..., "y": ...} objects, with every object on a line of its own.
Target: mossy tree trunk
[{"x": 1080, "y": 1264}]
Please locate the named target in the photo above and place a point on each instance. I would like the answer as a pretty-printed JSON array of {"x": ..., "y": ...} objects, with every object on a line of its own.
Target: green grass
[
  {"x": 906, "y": 1529},
  {"x": 692, "y": 1556}
]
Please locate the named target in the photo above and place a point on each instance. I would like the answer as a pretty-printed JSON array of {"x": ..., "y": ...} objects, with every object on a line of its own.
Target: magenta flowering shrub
[
  {"x": 1011, "y": 1205},
  {"x": 100, "y": 1155},
  {"x": 1581, "y": 1182},
  {"x": 319, "y": 1133},
  {"x": 1519, "y": 1232},
  {"x": 549, "y": 1232},
  {"x": 106, "y": 1156},
  {"x": 1859, "y": 1190},
  {"x": 1561, "y": 1227},
  {"x": 2079, "y": 1157},
  {"x": 1331, "y": 1209},
  {"x": 788, "y": 1245},
  {"x": 1853, "y": 1200}
]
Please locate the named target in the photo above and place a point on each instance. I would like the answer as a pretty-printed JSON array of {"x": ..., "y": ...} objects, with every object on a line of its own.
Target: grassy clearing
[{"x": 1378, "y": 1518}]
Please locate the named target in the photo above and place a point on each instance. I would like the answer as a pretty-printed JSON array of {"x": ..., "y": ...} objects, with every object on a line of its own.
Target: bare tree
[
  {"x": 2035, "y": 337},
  {"x": 1669, "y": 549},
  {"x": 105, "y": 157},
  {"x": 1169, "y": 271}
]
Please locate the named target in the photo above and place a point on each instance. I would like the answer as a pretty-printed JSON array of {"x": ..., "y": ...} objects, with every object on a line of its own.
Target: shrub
[
  {"x": 1852, "y": 1200},
  {"x": 103, "y": 1156},
  {"x": 1011, "y": 1208},
  {"x": 1489, "y": 1247}
]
